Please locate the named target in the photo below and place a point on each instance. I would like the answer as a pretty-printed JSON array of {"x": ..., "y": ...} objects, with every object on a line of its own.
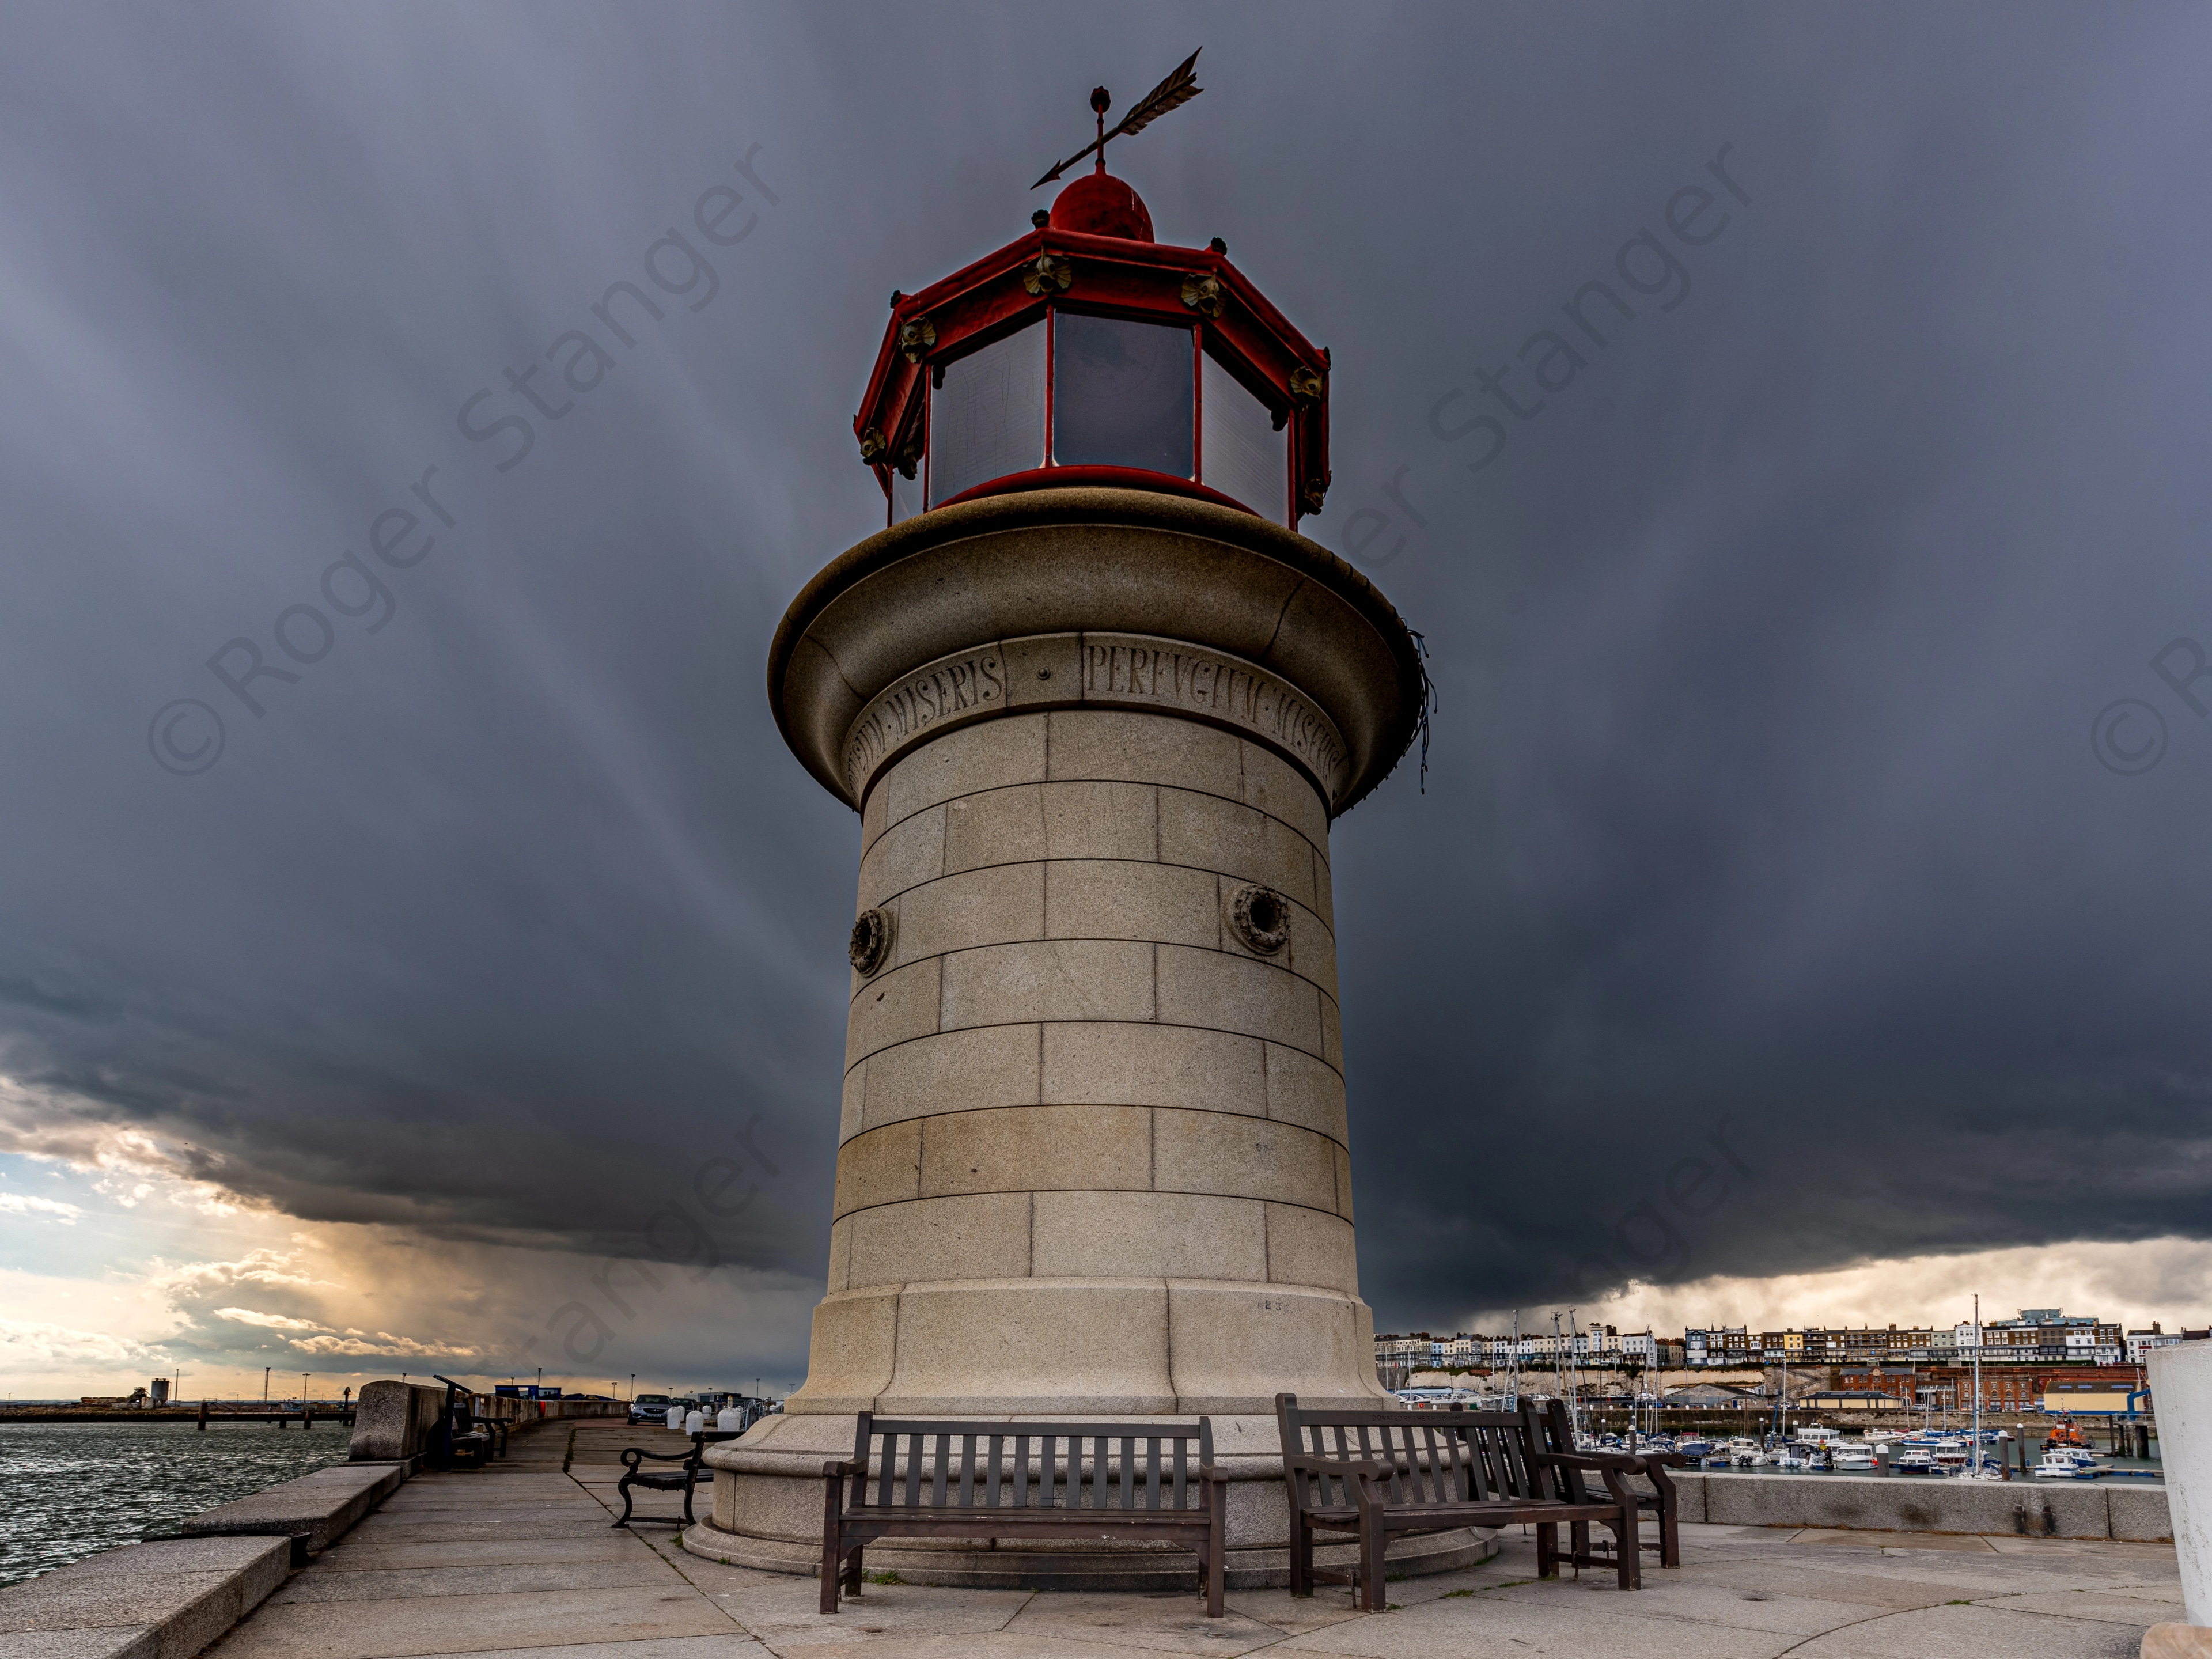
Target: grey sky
[{"x": 1763, "y": 791}]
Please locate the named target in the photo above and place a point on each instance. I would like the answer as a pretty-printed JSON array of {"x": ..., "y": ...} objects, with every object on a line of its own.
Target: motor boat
[
  {"x": 1792, "y": 1459},
  {"x": 1951, "y": 1456},
  {"x": 1913, "y": 1460},
  {"x": 1817, "y": 1434},
  {"x": 2066, "y": 1464},
  {"x": 1852, "y": 1458},
  {"x": 1743, "y": 1451}
]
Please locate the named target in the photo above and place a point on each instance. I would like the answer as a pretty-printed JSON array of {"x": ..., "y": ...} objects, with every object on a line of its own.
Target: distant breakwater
[{"x": 186, "y": 1414}]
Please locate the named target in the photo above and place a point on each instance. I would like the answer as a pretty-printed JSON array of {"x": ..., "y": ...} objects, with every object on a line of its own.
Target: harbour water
[
  {"x": 67, "y": 1489},
  {"x": 2132, "y": 1471}
]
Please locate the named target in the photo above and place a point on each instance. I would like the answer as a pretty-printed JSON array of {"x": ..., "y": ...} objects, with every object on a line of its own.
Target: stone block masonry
[
  {"x": 170, "y": 1599},
  {"x": 1073, "y": 1069},
  {"x": 1093, "y": 1159},
  {"x": 2061, "y": 1508}
]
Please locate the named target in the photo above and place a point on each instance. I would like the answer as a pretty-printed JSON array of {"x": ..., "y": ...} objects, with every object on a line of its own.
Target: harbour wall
[
  {"x": 397, "y": 1421},
  {"x": 2127, "y": 1511}
]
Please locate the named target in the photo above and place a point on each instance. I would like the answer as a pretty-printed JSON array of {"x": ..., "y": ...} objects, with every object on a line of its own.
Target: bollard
[{"x": 203, "y": 1417}]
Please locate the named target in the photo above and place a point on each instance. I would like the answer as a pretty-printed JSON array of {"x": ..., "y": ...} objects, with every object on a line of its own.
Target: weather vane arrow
[{"x": 1178, "y": 89}]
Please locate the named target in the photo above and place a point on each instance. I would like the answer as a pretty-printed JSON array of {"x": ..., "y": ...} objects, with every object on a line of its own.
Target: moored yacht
[{"x": 2067, "y": 1463}]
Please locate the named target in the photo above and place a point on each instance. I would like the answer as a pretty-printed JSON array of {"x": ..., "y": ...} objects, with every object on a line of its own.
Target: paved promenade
[{"x": 521, "y": 1560}]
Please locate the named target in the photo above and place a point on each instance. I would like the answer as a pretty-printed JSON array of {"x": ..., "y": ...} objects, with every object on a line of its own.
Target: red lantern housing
[{"x": 1087, "y": 352}]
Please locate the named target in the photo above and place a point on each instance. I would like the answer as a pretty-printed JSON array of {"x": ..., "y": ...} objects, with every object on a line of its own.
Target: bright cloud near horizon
[{"x": 1802, "y": 917}]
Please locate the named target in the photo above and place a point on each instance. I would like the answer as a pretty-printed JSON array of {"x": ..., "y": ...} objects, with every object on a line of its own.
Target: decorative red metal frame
[
  {"x": 1112, "y": 276},
  {"x": 1078, "y": 476}
]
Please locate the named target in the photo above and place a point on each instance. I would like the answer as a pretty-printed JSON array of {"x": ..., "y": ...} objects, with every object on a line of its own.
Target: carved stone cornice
[{"x": 1207, "y": 585}]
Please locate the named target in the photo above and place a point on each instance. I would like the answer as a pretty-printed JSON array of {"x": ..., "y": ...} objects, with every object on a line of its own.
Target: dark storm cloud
[{"x": 1762, "y": 795}]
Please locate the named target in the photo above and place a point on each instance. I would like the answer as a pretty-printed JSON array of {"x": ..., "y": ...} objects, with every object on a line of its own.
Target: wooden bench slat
[{"x": 1047, "y": 1492}]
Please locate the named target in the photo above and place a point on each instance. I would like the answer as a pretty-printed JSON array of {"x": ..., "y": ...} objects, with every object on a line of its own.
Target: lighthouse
[{"x": 1096, "y": 704}]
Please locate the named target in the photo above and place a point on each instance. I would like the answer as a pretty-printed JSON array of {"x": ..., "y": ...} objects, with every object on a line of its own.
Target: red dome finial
[{"x": 1100, "y": 204}]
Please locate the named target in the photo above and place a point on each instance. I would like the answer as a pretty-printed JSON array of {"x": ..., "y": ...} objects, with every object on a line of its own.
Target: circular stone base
[{"x": 768, "y": 1514}]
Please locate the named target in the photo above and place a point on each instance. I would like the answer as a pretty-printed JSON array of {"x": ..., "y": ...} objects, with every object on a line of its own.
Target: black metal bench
[
  {"x": 683, "y": 1479},
  {"x": 1062, "y": 1481},
  {"x": 1373, "y": 1475},
  {"x": 1662, "y": 1502},
  {"x": 465, "y": 1440}
]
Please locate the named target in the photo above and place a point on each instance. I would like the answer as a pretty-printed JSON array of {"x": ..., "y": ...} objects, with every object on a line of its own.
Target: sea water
[{"x": 69, "y": 1489}]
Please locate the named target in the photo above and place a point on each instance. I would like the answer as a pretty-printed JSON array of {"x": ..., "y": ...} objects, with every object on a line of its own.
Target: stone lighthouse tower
[{"x": 1096, "y": 703}]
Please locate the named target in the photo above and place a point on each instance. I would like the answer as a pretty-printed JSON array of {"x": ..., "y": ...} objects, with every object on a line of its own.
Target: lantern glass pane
[
  {"x": 1244, "y": 457},
  {"x": 988, "y": 419},
  {"x": 906, "y": 494},
  {"x": 1121, "y": 394}
]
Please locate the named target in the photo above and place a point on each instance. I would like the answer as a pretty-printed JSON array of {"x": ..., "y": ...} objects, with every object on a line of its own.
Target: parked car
[{"x": 649, "y": 1408}]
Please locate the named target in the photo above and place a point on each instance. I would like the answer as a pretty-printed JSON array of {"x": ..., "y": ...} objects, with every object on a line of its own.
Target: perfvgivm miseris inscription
[
  {"x": 1122, "y": 669},
  {"x": 1170, "y": 674},
  {"x": 950, "y": 690}
]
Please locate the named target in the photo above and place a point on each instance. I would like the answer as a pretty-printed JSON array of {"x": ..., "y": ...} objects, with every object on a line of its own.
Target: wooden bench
[
  {"x": 683, "y": 1479},
  {"x": 1374, "y": 1476},
  {"x": 1063, "y": 1481},
  {"x": 1661, "y": 1502}
]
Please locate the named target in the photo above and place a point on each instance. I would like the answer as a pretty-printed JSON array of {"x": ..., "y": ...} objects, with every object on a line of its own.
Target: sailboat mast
[{"x": 1977, "y": 1382}]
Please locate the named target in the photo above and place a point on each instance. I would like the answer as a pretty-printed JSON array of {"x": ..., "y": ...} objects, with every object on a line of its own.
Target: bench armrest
[
  {"x": 838, "y": 1468},
  {"x": 1306, "y": 1463},
  {"x": 1599, "y": 1460},
  {"x": 1612, "y": 1466},
  {"x": 1211, "y": 1472},
  {"x": 633, "y": 1455}
]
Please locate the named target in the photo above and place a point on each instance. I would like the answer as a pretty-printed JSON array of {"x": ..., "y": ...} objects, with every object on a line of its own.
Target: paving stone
[
  {"x": 1570, "y": 1628},
  {"x": 361, "y": 1554},
  {"x": 512, "y": 1579},
  {"x": 671, "y": 1647},
  {"x": 142, "y": 1643},
  {"x": 1160, "y": 1622},
  {"x": 1702, "y": 1601},
  {"x": 1975, "y": 1632},
  {"x": 472, "y": 1624},
  {"x": 182, "y": 1593},
  {"x": 991, "y": 1645},
  {"x": 325, "y": 1506},
  {"x": 476, "y": 1529},
  {"x": 2113, "y": 1607}
]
